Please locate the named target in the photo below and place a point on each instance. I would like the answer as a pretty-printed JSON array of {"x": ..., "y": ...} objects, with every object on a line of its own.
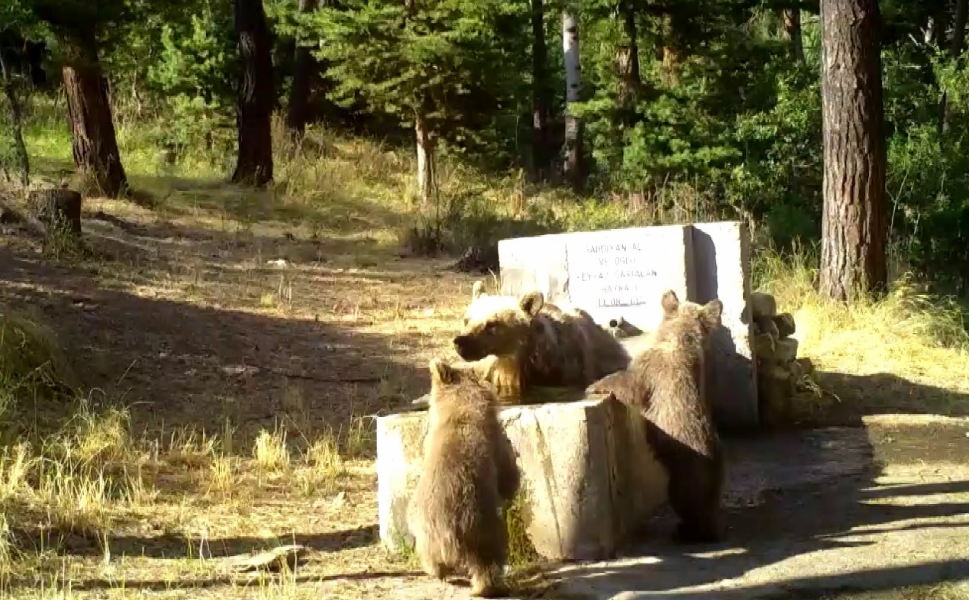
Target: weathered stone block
[
  {"x": 761, "y": 305},
  {"x": 777, "y": 389},
  {"x": 785, "y": 350},
  {"x": 785, "y": 324},
  {"x": 764, "y": 347},
  {"x": 765, "y": 325},
  {"x": 722, "y": 262},
  {"x": 589, "y": 478}
]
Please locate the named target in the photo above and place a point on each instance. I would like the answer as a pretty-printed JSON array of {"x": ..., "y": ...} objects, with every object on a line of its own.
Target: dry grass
[
  {"x": 905, "y": 352},
  {"x": 236, "y": 344}
]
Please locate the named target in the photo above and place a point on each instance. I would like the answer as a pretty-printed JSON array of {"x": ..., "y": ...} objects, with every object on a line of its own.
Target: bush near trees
[{"x": 711, "y": 107}]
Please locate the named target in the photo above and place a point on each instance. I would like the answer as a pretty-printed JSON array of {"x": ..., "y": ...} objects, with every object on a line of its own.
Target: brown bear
[
  {"x": 536, "y": 343},
  {"x": 666, "y": 382},
  {"x": 469, "y": 472}
]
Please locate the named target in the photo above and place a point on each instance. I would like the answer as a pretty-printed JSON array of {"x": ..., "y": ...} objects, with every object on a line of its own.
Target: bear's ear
[
  {"x": 711, "y": 313},
  {"x": 670, "y": 303},
  {"x": 441, "y": 372},
  {"x": 532, "y": 302},
  {"x": 477, "y": 290}
]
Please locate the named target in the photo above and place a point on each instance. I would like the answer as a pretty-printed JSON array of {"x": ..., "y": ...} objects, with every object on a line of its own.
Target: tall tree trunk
[
  {"x": 540, "y": 92},
  {"x": 854, "y": 224},
  {"x": 791, "y": 20},
  {"x": 426, "y": 167},
  {"x": 304, "y": 70},
  {"x": 669, "y": 54},
  {"x": 627, "y": 62},
  {"x": 956, "y": 45},
  {"x": 256, "y": 94},
  {"x": 17, "y": 117},
  {"x": 574, "y": 168},
  {"x": 93, "y": 138}
]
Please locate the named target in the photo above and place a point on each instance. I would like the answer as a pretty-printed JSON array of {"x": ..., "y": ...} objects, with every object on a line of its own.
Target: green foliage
[
  {"x": 437, "y": 58},
  {"x": 739, "y": 122},
  {"x": 193, "y": 74}
]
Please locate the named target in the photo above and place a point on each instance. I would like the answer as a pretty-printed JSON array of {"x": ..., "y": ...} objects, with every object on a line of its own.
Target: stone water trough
[{"x": 588, "y": 477}]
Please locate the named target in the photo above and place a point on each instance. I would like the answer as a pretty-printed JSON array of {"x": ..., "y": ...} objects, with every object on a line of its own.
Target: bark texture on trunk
[
  {"x": 93, "y": 138},
  {"x": 627, "y": 61},
  {"x": 16, "y": 115},
  {"x": 956, "y": 44},
  {"x": 256, "y": 93},
  {"x": 426, "y": 167},
  {"x": 304, "y": 71},
  {"x": 573, "y": 166},
  {"x": 854, "y": 226},
  {"x": 540, "y": 92},
  {"x": 791, "y": 21}
]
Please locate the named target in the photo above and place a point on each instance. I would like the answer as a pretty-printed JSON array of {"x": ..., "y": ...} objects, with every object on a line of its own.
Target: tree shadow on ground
[
  {"x": 179, "y": 364},
  {"x": 212, "y": 582},
  {"x": 173, "y": 546},
  {"x": 886, "y": 393},
  {"x": 821, "y": 530}
]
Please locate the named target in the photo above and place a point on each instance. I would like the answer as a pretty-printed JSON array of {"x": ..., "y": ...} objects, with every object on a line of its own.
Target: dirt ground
[{"x": 193, "y": 322}]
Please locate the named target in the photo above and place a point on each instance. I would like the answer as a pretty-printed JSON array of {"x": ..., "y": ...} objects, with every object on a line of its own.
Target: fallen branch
[
  {"x": 270, "y": 560},
  {"x": 121, "y": 224}
]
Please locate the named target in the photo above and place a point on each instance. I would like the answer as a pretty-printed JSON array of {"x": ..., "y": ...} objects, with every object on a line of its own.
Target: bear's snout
[{"x": 466, "y": 347}]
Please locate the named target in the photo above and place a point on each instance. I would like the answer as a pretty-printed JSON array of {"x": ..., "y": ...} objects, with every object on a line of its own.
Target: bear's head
[
  {"x": 496, "y": 325},
  {"x": 446, "y": 374},
  {"x": 685, "y": 320}
]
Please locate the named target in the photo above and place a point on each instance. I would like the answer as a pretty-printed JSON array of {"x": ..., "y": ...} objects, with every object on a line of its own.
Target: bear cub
[
  {"x": 536, "y": 343},
  {"x": 666, "y": 383},
  {"x": 468, "y": 473}
]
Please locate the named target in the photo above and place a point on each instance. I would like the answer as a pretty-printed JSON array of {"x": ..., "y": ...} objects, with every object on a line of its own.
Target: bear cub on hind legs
[
  {"x": 667, "y": 384},
  {"x": 468, "y": 473}
]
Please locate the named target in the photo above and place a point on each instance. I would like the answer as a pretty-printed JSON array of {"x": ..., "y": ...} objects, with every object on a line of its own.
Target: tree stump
[{"x": 57, "y": 208}]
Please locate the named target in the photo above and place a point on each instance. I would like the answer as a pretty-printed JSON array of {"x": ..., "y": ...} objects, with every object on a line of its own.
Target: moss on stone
[{"x": 517, "y": 516}]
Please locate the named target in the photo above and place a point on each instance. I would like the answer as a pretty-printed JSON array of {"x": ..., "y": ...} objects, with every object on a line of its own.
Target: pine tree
[{"x": 415, "y": 60}]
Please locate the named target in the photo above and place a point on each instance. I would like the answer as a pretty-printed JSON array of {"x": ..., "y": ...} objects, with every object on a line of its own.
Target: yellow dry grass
[{"x": 906, "y": 352}]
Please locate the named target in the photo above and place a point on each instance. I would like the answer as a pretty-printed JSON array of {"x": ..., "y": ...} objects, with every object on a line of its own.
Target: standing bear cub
[
  {"x": 667, "y": 384},
  {"x": 536, "y": 343},
  {"x": 468, "y": 473}
]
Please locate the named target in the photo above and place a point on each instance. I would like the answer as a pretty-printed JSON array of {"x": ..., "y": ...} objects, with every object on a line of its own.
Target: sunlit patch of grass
[
  {"x": 190, "y": 448},
  {"x": 321, "y": 466},
  {"x": 97, "y": 437},
  {"x": 360, "y": 438},
  {"x": 907, "y": 332},
  {"x": 222, "y": 475},
  {"x": 270, "y": 451},
  {"x": 15, "y": 466}
]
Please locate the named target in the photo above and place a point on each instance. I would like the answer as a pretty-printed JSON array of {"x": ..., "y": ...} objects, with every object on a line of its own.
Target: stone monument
[{"x": 622, "y": 273}]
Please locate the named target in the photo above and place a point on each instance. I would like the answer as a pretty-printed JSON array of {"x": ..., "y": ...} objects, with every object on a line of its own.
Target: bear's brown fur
[
  {"x": 666, "y": 382},
  {"x": 536, "y": 343},
  {"x": 468, "y": 473}
]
